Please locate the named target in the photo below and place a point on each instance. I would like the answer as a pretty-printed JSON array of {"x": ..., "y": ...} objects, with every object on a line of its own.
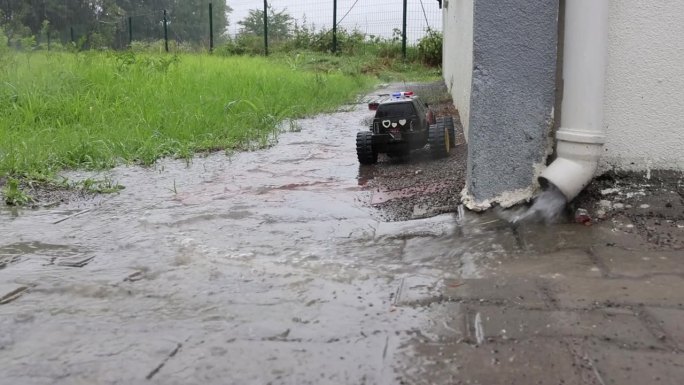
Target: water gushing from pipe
[{"x": 547, "y": 208}]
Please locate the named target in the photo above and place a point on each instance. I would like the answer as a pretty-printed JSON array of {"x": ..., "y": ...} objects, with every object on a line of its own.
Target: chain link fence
[
  {"x": 373, "y": 18},
  {"x": 240, "y": 27}
]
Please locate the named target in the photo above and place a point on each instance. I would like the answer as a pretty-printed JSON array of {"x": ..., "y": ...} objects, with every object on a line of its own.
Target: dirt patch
[
  {"x": 652, "y": 204},
  {"x": 43, "y": 193}
]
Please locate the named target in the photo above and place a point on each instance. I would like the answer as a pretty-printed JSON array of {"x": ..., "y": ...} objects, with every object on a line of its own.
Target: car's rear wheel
[
  {"x": 449, "y": 123},
  {"x": 364, "y": 148},
  {"x": 438, "y": 138}
]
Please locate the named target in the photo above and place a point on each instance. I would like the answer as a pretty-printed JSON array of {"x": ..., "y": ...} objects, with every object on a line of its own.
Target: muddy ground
[
  {"x": 294, "y": 265},
  {"x": 652, "y": 201}
]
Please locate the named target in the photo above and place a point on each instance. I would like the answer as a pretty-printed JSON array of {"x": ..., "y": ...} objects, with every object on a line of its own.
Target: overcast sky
[{"x": 374, "y": 17}]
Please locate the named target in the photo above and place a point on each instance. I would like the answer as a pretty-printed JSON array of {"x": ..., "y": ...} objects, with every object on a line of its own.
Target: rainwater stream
[{"x": 260, "y": 267}]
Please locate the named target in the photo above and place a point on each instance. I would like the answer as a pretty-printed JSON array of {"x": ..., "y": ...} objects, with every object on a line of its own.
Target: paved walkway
[{"x": 567, "y": 304}]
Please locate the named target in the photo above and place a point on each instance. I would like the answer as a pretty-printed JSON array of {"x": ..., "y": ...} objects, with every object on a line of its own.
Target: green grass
[
  {"x": 383, "y": 68},
  {"x": 95, "y": 110}
]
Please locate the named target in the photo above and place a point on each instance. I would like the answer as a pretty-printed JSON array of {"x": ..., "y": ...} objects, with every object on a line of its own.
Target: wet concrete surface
[{"x": 282, "y": 266}]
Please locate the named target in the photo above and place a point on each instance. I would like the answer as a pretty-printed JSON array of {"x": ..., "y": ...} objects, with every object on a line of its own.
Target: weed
[
  {"x": 13, "y": 194},
  {"x": 97, "y": 186}
]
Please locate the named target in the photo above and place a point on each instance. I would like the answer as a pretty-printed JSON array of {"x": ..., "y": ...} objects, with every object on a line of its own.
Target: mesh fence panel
[
  {"x": 372, "y": 17},
  {"x": 187, "y": 26}
]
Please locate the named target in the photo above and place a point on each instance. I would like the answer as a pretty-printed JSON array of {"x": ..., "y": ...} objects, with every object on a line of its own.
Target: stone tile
[
  {"x": 417, "y": 290},
  {"x": 537, "y": 361},
  {"x": 447, "y": 323},
  {"x": 613, "y": 366},
  {"x": 468, "y": 257},
  {"x": 542, "y": 239},
  {"x": 672, "y": 323},
  {"x": 567, "y": 262},
  {"x": 509, "y": 290},
  {"x": 431, "y": 227},
  {"x": 587, "y": 292},
  {"x": 638, "y": 263},
  {"x": 502, "y": 323}
]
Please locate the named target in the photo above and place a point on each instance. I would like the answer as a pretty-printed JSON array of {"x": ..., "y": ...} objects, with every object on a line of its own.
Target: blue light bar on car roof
[{"x": 403, "y": 93}]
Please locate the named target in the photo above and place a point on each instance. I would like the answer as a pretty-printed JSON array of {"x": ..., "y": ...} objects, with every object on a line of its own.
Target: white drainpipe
[{"x": 581, "y": 134}]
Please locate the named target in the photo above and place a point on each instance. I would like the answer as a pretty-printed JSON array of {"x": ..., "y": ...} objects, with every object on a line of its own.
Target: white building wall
[
  {"x": 644, "y": 99},
  {"x": 457, "y": 61}
]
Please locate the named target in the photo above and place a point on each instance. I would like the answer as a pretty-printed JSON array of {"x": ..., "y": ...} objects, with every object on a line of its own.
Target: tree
[
  {"x": 189, "y": 19},
  {"x": 105, "y": 22},
  {"x": 279, "y": 23}
]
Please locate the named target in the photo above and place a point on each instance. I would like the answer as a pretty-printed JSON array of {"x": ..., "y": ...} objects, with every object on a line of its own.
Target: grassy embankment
[{"x": 95, "y": 110}]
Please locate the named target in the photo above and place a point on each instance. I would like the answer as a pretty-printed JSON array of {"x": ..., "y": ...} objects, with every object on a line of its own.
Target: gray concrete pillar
[{"x": 512, "y": 99}]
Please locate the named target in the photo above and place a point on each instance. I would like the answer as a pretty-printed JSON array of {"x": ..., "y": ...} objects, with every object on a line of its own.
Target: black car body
[
  {"x": 402, "y": 122},
  {"x": 401, "y": 125}
]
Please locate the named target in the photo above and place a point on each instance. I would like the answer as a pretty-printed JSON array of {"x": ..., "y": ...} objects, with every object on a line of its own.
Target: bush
[
  {"x": 430, "y": 48},
  {"x": 242, "y": 45}
]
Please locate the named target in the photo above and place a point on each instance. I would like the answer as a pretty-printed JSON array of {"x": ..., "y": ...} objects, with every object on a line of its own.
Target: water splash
[{"x": 547, "y": 208}]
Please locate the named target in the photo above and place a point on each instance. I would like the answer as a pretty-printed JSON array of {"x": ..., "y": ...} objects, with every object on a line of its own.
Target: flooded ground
[{"x": 293, "y": 265}]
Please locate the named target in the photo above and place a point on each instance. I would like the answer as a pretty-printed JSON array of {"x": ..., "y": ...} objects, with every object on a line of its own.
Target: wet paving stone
[
  {"x": 607, "y": 364},
  {"x": 499, "y": 323},
  {"x": 669, "y": 325},
  {"x": 535, "y": 361},
  {"x": 578, "y": 292},
  {"x": 640, "y": 263}
]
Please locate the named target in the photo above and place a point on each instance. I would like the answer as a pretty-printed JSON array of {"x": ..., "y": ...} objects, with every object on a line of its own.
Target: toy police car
[{"x": 403, "y": 122}]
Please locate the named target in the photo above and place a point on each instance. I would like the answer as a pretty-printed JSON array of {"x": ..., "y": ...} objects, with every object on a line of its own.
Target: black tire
[
  {"x": 364, "y": 148},
  {"x": 438, "y": 138},
  {"x": 449, "y": 123}
]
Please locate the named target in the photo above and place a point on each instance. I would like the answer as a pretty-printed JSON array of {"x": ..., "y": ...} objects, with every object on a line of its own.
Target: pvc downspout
[{"x": 581, "y": 134}]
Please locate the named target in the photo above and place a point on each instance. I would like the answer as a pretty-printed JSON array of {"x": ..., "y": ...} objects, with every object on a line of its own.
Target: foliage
[
  {"x": 98, "y": 186},
  {"x": 430, "y": 48},
  {"x": 103, "y": 23},
  {"x": 279, "y": 23}
]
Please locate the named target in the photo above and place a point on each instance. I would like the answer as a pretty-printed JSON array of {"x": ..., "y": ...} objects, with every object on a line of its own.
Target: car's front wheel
[{"x": 364, "y": 148}]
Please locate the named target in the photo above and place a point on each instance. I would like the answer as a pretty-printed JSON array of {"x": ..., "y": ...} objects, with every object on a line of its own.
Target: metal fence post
[
  {"x": 266, "y": 27},
  {"x": 130, "y": 31},
  {"x": 403, "y": 32},
  {"x": 71, "y": 29},
  {"x": 166, "y": 33},
  {"x": 334, "y": 28},
  {"x": 48, "y": 38},
  {"x": 211, "y": 28}
]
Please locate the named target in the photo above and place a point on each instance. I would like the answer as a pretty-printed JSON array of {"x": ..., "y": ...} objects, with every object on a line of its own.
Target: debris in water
[
  {"x": 77, "y": 261},
  {"x": 136, "y": 276},
  {"x": 10, "y": 292},
  {"x": 582, "y": 216}
]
